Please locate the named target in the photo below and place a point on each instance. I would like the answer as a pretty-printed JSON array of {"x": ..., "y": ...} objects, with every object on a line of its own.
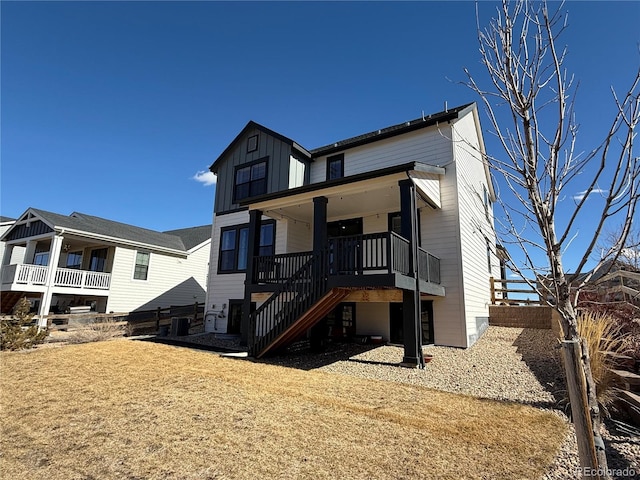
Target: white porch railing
[{"x": 64, "y": 277}]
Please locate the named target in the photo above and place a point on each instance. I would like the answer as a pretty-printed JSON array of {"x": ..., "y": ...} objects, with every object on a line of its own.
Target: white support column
[
  {"x": 30, "y": 252},
  {"x": 54, "y": 258},
  {"x": 8, "y": 252}
]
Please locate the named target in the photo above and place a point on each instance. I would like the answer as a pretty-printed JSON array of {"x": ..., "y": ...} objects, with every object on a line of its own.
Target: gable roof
[
  {"x": 97, "y": 227},
  {"x": 392, "y": 131},
  {"x": 192, "y": 237},
  {"x": 250, "y": 126},
  {"x": 374, "y": 136}
]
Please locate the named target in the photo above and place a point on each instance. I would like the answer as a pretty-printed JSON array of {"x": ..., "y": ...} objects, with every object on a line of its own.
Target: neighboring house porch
[{"x": 82, "y": 262}]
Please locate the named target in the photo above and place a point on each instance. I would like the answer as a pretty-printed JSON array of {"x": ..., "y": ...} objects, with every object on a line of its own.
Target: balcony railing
[
  {"x": 385, "y": 252},
  {"x": 23, "y": 274}
]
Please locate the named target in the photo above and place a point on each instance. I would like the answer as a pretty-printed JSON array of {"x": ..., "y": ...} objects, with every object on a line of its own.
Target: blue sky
[{"x": 111, "y": 108}]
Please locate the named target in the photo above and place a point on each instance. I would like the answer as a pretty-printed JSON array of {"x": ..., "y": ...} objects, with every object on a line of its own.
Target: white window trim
[{"x": 133, "y": 270}]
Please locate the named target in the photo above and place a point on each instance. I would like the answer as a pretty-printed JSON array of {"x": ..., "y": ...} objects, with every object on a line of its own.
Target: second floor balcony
[
  {"x": 26, "y": 275},
  {"x": 370, "y": 260}
]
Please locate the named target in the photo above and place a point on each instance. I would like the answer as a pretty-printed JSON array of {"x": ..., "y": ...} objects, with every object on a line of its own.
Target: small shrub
[
  {"x": 98, "y": 330},
  {"x": 18, "y": 332},
  {"x": 604, "y": 338}
]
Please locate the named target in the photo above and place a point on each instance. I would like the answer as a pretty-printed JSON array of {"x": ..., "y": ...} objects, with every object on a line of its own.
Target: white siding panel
[
  {"x": 429, "y": 185},
  {"x": 440, "y": 236},
  {"x": 427, "y": 145},
  {"x": 476, "y": 228},
  {"x": 299, "y": 237},
  {"x": 171, "y": 280}
]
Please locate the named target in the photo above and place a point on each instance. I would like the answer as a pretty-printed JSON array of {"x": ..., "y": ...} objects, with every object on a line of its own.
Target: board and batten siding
[
  {"x": 476, "y": 228},
  {"x": 279, "y": 153},
  {"x": 285, "y": 169},
  {"x": 171, "y": 280},
  {"x": 427, "y": 145}
]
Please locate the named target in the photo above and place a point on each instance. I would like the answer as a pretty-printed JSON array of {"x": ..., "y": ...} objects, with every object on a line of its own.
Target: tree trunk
[{"x": 582, "y": 396}]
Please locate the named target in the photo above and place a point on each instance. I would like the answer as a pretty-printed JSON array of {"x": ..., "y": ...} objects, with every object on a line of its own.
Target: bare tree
[
  {"x": 530, "y": 104},
  {"x": 629, "y": 255}
]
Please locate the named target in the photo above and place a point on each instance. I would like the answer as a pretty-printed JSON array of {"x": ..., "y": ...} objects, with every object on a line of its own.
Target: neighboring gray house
[
  {"x": 389, "y": 233},
  {"x": 60, "y": 261}
]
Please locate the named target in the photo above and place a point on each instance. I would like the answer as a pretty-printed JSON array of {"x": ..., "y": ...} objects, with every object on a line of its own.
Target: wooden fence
[
  {"x": 503, "y": 294},
  {"x": 136, "y": 323}
]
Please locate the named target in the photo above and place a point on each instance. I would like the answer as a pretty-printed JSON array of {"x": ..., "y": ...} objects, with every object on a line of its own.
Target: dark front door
[
  {"x": 344, "y": 246},
  {"x": 235, "y": 316},
  {"x": 396, "y": 322}
]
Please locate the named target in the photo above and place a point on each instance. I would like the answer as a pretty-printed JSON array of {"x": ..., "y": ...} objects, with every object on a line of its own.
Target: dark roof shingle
[{"x": 101, "y": 226}]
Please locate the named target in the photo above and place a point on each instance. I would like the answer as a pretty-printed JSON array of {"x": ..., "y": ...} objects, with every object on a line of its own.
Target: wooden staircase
[
  {"x": 308, "y": 319},
  {"x": 296, "y": 305}
]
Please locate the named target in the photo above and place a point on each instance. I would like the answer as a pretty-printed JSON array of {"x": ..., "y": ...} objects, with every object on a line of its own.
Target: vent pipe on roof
[
  {"x": 446, "y": 109},
  {"x": 423, "y": 115}
]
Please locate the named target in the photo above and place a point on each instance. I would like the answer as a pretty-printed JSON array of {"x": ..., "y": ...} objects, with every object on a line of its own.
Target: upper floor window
[
  {"x": 335, "y": 167},
  {"x": 250, "y": 180},
  {"x": 234, "y": 246},
  {"x": 141, "y": 269},
  {"x": 41, "y": 258},
  {"x": 74, "y": 260},
  {"x": 98, "y": 260}
]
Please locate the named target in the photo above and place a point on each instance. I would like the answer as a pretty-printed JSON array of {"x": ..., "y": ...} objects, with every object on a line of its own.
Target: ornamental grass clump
[
  {"x": 605, "y": 340},
  {"x": 18, "y": 331}
]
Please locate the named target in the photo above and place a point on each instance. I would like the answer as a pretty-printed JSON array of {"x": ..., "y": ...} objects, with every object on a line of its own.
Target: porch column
[
  {"x": 411, "y": 298},
  {"x": 253, "y": 248},
  {"x": 8, "y": 252},
  {"x": 52, "y": 266},
  {"x": 29, "y": 252},
  {"x": 319, "y": 224}
]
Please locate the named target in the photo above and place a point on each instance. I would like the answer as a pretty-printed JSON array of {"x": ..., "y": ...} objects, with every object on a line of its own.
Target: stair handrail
[{"x": 290, "y": 308}]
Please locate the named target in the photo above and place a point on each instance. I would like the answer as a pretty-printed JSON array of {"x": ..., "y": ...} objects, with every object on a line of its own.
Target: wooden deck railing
[{"x": 501, "y": 293}]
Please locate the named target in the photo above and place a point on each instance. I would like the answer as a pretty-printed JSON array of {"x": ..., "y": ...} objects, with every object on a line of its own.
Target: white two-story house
[
  {"x": 78, "y": 260},
  {"x": 389, "y": 233}
]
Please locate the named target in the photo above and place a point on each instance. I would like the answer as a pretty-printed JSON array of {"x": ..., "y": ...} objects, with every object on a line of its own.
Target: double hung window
[
  {"x": 141, "y": 269},
  {"x": 250, "y": 180}
]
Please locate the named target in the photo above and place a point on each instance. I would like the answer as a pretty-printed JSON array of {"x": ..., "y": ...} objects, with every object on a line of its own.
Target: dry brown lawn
[{"x": 134, "y": 410}]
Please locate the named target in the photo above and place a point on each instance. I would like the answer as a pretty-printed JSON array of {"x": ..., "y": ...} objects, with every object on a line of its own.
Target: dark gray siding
[
  {"x": 35, "y": 228},
  {"x": 277, "y": 167}
]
